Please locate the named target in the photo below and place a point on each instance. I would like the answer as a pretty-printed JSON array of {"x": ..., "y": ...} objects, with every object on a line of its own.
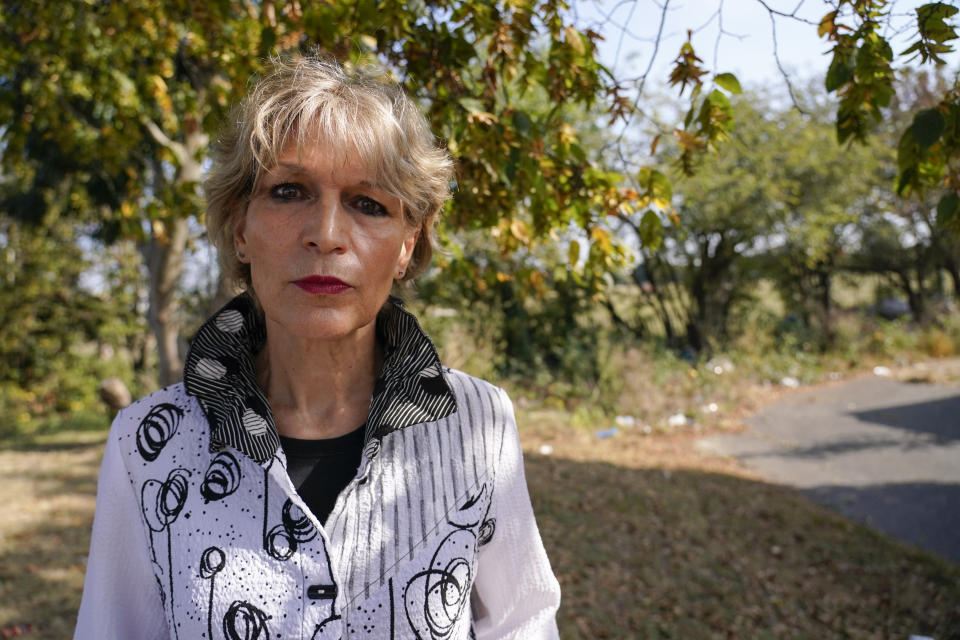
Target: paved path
[{"x": 883, "y": 452}]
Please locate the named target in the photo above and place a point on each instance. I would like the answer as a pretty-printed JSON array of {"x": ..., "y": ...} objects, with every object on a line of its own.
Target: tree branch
[{"x": 176, "y": 148}]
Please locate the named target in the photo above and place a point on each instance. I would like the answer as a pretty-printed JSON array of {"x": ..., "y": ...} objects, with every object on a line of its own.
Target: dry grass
[
  {"x": 651, "y": 539},
  {"x": 48, "y": 492}
]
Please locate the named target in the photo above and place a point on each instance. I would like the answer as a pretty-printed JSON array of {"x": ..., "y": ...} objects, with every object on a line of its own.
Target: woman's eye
[
  {"x": 369, "y": 206},
  {"x": 286, "y": 191}
]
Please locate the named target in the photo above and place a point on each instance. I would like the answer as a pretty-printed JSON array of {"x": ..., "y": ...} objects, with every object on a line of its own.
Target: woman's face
[{"x": 324, "y": 244}]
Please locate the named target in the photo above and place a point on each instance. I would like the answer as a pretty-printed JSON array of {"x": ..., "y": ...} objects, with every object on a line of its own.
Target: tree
[
  {"x": 778, "y": 200},
  {"x": 108, "y": 110},
  {"x": 117, "y": 119},
  {"x": 861, "y": 74}
]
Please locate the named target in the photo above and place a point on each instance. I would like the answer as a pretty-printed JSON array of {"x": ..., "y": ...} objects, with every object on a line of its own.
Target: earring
[
  {"x": 240, "y": 255},
  {"x": 400, "y": 273}
]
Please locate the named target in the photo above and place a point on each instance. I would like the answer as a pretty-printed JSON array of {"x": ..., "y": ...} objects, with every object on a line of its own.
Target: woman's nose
[{"x": 325, "y": 225}]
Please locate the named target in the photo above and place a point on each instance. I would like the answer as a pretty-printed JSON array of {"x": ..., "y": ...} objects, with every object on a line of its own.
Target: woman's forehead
[{"x": 337, "y": 148}]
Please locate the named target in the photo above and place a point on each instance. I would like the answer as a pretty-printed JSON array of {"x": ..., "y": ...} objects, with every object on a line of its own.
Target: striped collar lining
[{"x": 219, "y": 372}]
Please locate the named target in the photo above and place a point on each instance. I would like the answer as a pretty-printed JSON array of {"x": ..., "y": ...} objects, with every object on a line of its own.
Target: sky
[{"x": 745, "y": 46}]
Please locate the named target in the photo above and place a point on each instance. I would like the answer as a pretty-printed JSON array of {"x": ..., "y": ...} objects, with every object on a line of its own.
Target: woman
[{"x": 318, "y": 474}]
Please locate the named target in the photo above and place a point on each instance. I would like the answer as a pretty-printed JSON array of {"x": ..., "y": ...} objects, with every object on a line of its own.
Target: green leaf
[
  {"x": 690, "y": 113},
  {"x": 907, "y": 150},
  {"x": 947, "y": 208},
  {"x": 838, "y": 74},
  {"x": 934, "y": 11},
  {"x": 268, "y": 38},
  {"x": 916, "y": 46},
  {"x": 719, "y": 99},
  {"x": 729, "y": 82},
  {"x": 927, "y": 127},
  {"x": 522, "y": 123},
  {"x": 472, "y": 105},
  {"x": 651, "y": 230},
  {"x": 655, "y": 184}
]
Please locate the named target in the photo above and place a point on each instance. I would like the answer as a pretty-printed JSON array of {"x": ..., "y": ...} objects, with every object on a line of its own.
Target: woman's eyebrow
[{"x": 291, "y": 167}]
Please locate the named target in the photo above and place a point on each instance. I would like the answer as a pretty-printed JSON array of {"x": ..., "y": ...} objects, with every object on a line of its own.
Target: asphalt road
[{"x": 883, "y": 452}]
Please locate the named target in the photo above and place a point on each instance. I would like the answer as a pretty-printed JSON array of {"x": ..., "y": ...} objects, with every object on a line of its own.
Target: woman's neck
[{"x": 319, "y": 389}]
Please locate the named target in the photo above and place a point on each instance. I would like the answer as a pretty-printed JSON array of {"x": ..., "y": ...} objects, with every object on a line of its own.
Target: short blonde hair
[{"x": 315, "y": 99}]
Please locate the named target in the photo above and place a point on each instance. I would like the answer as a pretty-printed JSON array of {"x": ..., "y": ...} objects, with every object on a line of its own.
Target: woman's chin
[{"x": 322, "y": 325}]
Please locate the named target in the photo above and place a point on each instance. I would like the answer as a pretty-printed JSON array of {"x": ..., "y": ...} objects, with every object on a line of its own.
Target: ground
[{"x": 650, "y": 537}]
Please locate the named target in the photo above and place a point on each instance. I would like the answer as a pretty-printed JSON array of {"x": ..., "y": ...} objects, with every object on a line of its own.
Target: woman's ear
[
  {"x": 239, "y": 233},
  {"x": 406, "y": 251}
]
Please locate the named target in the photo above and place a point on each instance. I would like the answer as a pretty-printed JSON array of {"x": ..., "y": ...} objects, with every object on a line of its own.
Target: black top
[{"x": 321, "y": 469}]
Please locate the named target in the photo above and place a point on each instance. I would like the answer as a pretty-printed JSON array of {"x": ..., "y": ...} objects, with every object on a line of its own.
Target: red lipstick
[{"x": 322, "y": 285}]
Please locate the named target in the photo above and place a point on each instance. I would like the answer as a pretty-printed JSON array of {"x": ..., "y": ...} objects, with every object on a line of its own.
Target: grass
[
  {"x": 48, "y": 492},
  {"x": 649, "y": 537}
]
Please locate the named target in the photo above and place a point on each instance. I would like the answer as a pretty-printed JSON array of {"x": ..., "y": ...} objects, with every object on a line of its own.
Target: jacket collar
[{"x": 219, "y": 372}]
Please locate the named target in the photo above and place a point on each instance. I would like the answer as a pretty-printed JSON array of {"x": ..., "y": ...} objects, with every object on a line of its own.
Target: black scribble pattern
[
  {"x": 487, "y": 529},
  {"x": 211, "y": 562},
  {"x": 468, "y": 517},
  {"x": 156, "y": 429},
  {"x": 161, "y": 503},
  {"x": 222, "y": 477},
  {"x": 296, "y": 523},
  {"x": 321, "y": 628},
  {"x": 244, "y": 621},
  {"x": 435, "y": 598},
  {"x": 282, "y": 540}
]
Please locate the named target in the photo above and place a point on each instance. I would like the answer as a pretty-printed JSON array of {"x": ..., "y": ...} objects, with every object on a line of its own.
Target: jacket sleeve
[
  {"x": 515, "y": 595},
  {"x": 121, "y": 599}
]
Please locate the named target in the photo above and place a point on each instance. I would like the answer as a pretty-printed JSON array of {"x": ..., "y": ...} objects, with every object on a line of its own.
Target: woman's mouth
[{"x": 322, "y": 285}]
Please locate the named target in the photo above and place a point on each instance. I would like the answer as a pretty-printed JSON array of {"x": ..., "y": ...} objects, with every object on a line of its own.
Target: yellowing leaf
[
  {"x": 536, "y": 279},
  {"x": 520, "y": 231},
  {"x": 602, "y": 238},
  {"x": 827, "y": 24},
  {"x": 160, "y": 232},
  {"x": 574, "y": 39}
]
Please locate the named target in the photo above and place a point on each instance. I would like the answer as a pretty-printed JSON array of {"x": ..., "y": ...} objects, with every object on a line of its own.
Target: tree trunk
[
  {"x": 826, "y": 306},
  {"x": 914, "y": 297},
  {"x": 165, "y": 251},
  {"x": 164, "y": 258},
  {"x": 954, "y": 272},
  {"x": 658, "y": 295}
]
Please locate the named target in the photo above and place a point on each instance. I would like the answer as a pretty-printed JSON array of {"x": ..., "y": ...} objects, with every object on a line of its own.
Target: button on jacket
[{"x": 199, "y": 531}]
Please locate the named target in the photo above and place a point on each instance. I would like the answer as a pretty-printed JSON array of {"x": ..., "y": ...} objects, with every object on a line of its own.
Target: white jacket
[{"x": 197, "y": 535}]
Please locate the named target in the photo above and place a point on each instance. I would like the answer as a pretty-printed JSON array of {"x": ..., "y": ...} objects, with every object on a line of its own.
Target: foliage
[
  {"x": 112, "y": 106},
  {"x": 44, "y": 312},
  {"x": 57, "y": 333},
  {"x": 108, "y": 110},
  {"x": 532, "y": 319},
  {"x": 862, "y": 75}
]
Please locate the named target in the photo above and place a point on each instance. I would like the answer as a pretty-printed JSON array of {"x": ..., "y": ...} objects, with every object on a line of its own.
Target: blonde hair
[{"x": 317, "y": 101}]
